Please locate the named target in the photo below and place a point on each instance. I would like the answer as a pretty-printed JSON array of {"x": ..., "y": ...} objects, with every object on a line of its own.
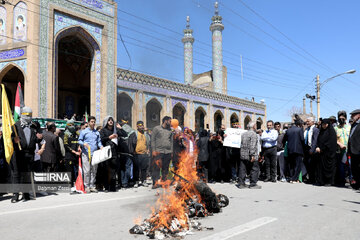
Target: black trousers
[
  {"x": 244, "y": 166},
  {"x": 270, "y": 157},
  {"x": 355, "y": 168},
  {"x": 295, "y": 161},
  {"x": 310, "y": 164},
  {"x": 141, "y": 165},
  {"x": 20, "y": 167},
  {"x": 161, "y": 161}
]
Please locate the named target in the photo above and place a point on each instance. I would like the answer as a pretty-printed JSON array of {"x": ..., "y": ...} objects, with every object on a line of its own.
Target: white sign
[{"x": 233, "y": 137}]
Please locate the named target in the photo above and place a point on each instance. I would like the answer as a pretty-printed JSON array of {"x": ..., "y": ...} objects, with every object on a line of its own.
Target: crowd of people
[{"x": 325, "y": 153}]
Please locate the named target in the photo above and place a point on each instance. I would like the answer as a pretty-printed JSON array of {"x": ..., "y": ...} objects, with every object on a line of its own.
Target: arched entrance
[
  {"x": 218, "y": 117},
  {"x": 124, "y": 108},
  {"x": 179, "y": 113},
  {"x": 77, "y": 69},
  {"x": 259, "y": 123},
  {"x": 234, "y": 120},
  {"x": 10, "y": 76},
  {"x": 153, "y": 109},
  {"x": 247, "y": 120},
  {"x": 199, "y": 119}
]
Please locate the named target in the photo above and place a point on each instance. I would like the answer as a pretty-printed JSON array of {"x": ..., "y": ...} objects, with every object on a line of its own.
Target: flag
[
  {"x": 7, "y": 123},
  {"x": 79, "y": 184},
  {"x": 19, "y": 102},
  {"x": 86, "y": 115}
]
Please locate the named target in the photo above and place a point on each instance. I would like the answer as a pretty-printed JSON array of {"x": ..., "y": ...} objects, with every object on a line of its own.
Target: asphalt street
[{"x": 277, "y": 211}]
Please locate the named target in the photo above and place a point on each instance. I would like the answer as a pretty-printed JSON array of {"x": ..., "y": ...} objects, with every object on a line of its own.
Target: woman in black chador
[
  {"x": 216, "y": 155},
  {"x": 326, "y": 148}
]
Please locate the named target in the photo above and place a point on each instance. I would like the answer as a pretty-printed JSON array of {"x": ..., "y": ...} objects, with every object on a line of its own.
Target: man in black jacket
[
  {"x": 23, "y": 157},
  {"x": 51, "y": 155},
  {"x": 310, "y": 137},
  {"x": 295, "y": 138},
  {"x": 354, "y": 147}
]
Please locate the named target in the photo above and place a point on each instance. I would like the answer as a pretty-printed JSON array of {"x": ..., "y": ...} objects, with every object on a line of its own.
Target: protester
[
  {"x": 203, "y": 155},
  {"x": 280, "y": 152},
  {"x": 72, "y": 151},
  {"x": 342, "y": 134},
  {"x": 294, "y": 137},
  {"x": 162, "y": 149},
  {"x": 89, "y": 141},
  {"x": 269, "y": 151},
  {"x": 24, "y": 149},
  {"x": 216, "y": 155},
  {"x": 354, "y": 148},
  {"x": 326, "y": 147},
  {"x": 249, "y": 157},
  {"x": 109, "y": 135},
  {"x": 311, "y": 134},
  {"x": 139, "y": 147},
  {"x": 233, "y": 154},
  {"x": 125, "y": 170},
  {"x": 51, "y": 156},
  {"x": 178, "y": 146}
]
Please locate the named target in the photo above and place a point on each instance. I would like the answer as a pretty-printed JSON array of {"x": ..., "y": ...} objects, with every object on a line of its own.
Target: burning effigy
[{"x": 180, "y": 204}]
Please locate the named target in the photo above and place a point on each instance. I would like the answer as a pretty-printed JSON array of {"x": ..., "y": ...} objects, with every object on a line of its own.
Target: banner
[{"x": 233, "y": 137}]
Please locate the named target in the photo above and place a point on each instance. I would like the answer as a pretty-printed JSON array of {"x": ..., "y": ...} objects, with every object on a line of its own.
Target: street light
[
  {"x": 312, "y": 98},
  {"x": 318, "y": 86}
]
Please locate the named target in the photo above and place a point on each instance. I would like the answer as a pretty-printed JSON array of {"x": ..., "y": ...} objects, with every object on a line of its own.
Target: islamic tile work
[
  {"x": 97, "y": 5},
  {"x": 18, "y": 63},
  {"x": 92, "y": 44},
  {"x": 217, "y": 60},
  {"x": 98, "y": 86},
  {"x": 63, "y": 21},
  {"x": 20, "y": 22},
  {"x": 234, "y": 111},
  {"x": 168, "y": 104},
  {"x": 188, "y": 61},
  {"x": 221, "y": 109},
  {"x": 148, "y": 83},
  {"x": 129, "y": 92},
  {"x": 2, "y": 25},
  {"x": 175, "y": 101},
  {"x": 14, "y": 53},
  {"x": 149, "y": 96},
  {"x": 197, "y": 105},
  {"x": 44, "y": 39},
  {"x": 140, "y": 105}
]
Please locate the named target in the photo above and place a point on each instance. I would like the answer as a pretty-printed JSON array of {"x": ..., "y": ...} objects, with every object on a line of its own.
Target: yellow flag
[{"x": 7, "y": 123}]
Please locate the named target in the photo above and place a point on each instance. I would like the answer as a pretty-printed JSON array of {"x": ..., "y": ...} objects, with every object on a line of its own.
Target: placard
[{"x": 233, "y": 137}]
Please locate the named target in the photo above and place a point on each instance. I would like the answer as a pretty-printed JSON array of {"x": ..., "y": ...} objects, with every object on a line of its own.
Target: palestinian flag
[
  {"x": 79, "y": 184},
  {"x": 19, "y": 102}
]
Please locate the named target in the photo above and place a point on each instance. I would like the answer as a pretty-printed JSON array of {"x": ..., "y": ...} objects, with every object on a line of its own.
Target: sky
[{"x": 282, "y": 46}]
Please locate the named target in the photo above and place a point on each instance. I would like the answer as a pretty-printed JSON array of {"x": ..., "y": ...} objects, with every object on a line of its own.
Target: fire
[{"x": 172, "y": 204}]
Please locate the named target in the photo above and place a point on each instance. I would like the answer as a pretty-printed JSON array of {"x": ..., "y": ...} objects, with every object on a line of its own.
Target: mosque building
[{"x": 63, "y": 52}]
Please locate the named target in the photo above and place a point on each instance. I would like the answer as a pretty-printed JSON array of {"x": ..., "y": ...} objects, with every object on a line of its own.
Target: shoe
[
  {"x": 15, "y": 198},
  {"x": 283, "y": 179},
  {"x": 87, "y": 190},
  {"x": 274, "y": 180},
  {"x": 26, "y": 197},
  {"x": 145, "y": 184},
  {"x": 255, "y": 187},
  {"x": 94, "y": 190},
  {"x": 241, "y": 186},
  {"x": 136, "y": 185},
  {"x": 266, "y": 180}
]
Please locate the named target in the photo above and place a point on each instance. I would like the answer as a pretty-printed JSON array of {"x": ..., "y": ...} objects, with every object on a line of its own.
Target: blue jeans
[{"x": 126, "y": 169}]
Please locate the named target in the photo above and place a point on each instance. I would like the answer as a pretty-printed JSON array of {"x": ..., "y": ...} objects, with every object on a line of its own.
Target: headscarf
[
  {"x": 327, "y": 140},
  {"x": 26, "y": 117},
  {"x": 70, "y": 128},
  {"x": 106, "y": 119}
]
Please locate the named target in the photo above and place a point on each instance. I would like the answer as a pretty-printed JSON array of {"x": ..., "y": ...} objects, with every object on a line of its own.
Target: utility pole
[
  {"x": 311, "y": 110},
  {"x": 304, "y": 106},
  {"x": 318, "y": 96}
]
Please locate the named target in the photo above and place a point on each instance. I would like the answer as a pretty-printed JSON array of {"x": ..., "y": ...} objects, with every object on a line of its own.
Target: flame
[
  {"x": 138, "y": 220},
  {"x": 172, "y": 204}
]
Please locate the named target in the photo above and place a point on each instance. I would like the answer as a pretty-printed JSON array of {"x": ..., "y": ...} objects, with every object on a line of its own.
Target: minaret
[
  {"x": 216, "y": 28},
  {"x": 188, "y": 41}
]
